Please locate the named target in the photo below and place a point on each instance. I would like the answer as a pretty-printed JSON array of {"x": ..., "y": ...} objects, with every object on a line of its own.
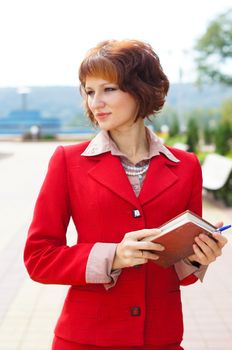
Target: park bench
[{"x": 217, "y": 177}]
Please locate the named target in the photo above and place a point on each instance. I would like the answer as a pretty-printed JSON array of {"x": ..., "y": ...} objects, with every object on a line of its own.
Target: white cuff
[
  {"x": 184, "y": 268},
  {"x": 99, "y": 265}
]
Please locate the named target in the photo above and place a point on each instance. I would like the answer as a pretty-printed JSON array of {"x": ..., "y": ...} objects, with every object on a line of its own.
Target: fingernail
[{"x": 155, "y": 257}]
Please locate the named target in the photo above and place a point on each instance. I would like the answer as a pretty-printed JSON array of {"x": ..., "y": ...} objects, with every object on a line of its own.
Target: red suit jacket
[{"x": 144, "y": 306}]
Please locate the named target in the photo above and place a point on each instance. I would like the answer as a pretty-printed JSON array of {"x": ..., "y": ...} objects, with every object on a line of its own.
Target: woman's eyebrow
[{"x": 103, "y": 84}]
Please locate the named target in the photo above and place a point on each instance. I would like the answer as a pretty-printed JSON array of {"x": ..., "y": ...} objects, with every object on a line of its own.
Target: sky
[{"x": 42, "y": 42}]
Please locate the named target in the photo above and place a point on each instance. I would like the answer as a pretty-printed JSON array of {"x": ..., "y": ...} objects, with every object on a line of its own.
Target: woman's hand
[
  {"x": 132, "y": 251},
  {"x": 206, "y": 249}
]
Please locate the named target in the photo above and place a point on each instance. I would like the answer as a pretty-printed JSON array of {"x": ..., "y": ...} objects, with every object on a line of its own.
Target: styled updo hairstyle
[{"x": 133, "y": 66}]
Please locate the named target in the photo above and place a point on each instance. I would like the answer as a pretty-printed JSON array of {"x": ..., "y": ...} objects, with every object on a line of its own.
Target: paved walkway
[{"x": 28, "y": 311}]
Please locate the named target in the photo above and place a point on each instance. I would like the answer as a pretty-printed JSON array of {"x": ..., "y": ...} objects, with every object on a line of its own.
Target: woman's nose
[{"x": 97, "y": 101}]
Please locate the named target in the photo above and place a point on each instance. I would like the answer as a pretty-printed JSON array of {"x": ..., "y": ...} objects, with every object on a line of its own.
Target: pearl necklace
[{"x": 135, "y": 170}]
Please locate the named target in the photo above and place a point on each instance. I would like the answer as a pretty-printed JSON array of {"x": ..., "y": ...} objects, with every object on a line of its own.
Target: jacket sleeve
[
  {"x": 195, "y": 202},
  {"x": 195, "y": 205},
  {"x": 47, "y": 257}
]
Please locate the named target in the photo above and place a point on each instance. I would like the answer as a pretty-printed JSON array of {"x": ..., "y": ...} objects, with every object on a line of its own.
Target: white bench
[{"x": 217, "y": 175}]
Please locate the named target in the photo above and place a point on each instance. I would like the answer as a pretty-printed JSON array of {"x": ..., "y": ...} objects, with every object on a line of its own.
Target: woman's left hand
[{"x": 206, "y": 249}]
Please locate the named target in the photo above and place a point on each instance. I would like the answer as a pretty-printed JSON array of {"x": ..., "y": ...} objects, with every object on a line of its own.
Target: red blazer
[{"x": 144, "y": 306}]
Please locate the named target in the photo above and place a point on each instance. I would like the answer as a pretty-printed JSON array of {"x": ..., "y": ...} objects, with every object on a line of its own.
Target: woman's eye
[
  {"x": 89, "y": 92},
  {"x": 110, "y": 89}
]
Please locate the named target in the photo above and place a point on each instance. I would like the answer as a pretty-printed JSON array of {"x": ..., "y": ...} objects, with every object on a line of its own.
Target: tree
[
  {"x": 214, "y": 51},
  {"x": 226, "y": 110},
  {"x": 174, "y": 128},
  {"x": 223, "y": 135},
  {"x": 192, "y": 135},
  {"x": 208, "y": 135}
]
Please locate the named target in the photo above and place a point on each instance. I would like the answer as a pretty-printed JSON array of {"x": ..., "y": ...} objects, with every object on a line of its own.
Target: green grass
[{"x": 170, "y": 141}]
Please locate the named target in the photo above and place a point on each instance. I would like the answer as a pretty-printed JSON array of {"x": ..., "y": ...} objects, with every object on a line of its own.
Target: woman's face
[{"x": 112, "y": 108}]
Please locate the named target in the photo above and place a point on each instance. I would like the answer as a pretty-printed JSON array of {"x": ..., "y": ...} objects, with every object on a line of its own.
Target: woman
[{"x": 118, "y": 189}]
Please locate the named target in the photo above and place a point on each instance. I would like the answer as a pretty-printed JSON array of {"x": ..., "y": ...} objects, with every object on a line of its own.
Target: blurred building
[{"x": 20, "y": 122}]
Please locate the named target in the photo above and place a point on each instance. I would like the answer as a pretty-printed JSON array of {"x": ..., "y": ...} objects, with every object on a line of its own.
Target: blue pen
[{"x": 223, "y": 228}]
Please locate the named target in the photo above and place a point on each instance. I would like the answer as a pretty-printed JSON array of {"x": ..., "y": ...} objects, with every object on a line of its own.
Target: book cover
[{"x": 178, "y": 235}]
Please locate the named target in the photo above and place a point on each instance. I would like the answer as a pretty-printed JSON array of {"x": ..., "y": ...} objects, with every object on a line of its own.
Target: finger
[
  {"x": 130, "y": 247},
  {"x": 148, "y": 255},
  {"x": 217, "y": 245},
  {"x": 149, "y": 246},
  {"x": 192, "y": 257},
  {"x": 209, "y": 241},
  {"x": 137, "y": 235},
  {"x": 200, "y": 256},
  {"x": 209, "y": 252},
  {"x": 219, "y": 224},
  {"x": 222, "y": 240}
]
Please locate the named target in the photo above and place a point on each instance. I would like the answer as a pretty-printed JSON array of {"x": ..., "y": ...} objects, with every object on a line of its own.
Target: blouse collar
[{"x": 103, "y": 143}]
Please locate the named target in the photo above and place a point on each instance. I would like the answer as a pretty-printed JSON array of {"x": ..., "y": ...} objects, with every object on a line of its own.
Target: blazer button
[
  {"x": 135, "y": 311},
  {"x": 136, "y": 213}
]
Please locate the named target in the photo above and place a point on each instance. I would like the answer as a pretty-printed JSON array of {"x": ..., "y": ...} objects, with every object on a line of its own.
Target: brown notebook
[{"x": 178, "y": 237}]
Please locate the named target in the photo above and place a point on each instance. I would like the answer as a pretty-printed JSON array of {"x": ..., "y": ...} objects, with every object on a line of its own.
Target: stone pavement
[{"x": 28, "y": 311}]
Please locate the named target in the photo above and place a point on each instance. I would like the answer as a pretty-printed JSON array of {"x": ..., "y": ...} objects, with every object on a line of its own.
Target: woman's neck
[{"x": 132, "y": 141}]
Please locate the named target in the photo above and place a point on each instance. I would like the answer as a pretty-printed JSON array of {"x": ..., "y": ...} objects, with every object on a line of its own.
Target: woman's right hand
[{"x": 133, "y": 251}]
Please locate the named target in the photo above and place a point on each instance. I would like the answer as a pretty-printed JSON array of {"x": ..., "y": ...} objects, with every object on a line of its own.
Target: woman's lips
[{"x": 102, "y": 115}]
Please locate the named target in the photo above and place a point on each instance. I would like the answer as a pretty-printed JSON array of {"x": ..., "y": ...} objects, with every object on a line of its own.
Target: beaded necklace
[{"x": 135, "y": 170}]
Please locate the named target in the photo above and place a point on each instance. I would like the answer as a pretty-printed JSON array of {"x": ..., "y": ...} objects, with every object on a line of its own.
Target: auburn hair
[{"x": 133, "y": 66}]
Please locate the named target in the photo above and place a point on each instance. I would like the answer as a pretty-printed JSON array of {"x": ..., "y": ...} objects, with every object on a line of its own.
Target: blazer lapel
[
  {"x": 109, "y": 172},
  {"x": 159, "y": 177}
]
